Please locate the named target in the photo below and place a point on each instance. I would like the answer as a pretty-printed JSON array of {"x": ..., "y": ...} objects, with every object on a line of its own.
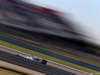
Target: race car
[
  {"x": 30, "y": 57},
  {"x": 33, "y": 58}
]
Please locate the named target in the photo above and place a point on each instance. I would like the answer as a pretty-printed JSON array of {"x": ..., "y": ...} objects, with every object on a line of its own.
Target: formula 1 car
[{"x": 33, "y": 58}]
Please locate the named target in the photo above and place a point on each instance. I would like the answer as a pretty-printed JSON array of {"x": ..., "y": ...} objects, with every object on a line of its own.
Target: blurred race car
[
  {"x": 30, "y": 57},
  {"x": 43, "y": 61}
]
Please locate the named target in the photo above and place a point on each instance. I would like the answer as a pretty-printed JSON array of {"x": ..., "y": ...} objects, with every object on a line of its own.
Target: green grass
[
  {"x": 46, "y": 57},
  {"x": 8, "y": 72},
  {"x": 48, "y": 47},
  {"x": 68, "y": 54}
]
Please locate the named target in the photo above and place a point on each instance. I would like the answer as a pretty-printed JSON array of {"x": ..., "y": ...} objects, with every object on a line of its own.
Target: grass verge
[
  {"x": 46, "y": 57},
  {"x": 53, "y": 49},
  {"x": 11, "y": 71}
]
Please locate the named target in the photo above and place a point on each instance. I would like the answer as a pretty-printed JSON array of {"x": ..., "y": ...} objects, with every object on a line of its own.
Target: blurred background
[
  {"x": 84, "y": 13},
  {"x": 68, "y": 19},
  {"x": 52, "y": 27}
]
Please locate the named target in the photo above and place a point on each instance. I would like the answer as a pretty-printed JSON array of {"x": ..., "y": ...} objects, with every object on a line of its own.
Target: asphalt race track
[
  {"x": 32, "y": 65},
  {"x": 50, "y": 63},
  {"x": 35, "y": 48}
]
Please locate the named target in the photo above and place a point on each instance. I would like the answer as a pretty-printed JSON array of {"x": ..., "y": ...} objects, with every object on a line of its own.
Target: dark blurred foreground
[{"x": 42, "y": 24}]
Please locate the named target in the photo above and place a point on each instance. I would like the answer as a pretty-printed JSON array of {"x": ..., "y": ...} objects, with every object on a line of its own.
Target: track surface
[
  {"x": 49, "y": 53},
  {"x": 6, "y": 64},
  {"x": 63, "y": 67},
  {"x": 11, "y": 58}
]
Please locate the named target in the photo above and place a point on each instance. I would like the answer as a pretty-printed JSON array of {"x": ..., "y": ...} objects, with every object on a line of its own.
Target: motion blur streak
[
  {"x": 30, "y": 18},
  {"x": 35, "y": 18}
]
